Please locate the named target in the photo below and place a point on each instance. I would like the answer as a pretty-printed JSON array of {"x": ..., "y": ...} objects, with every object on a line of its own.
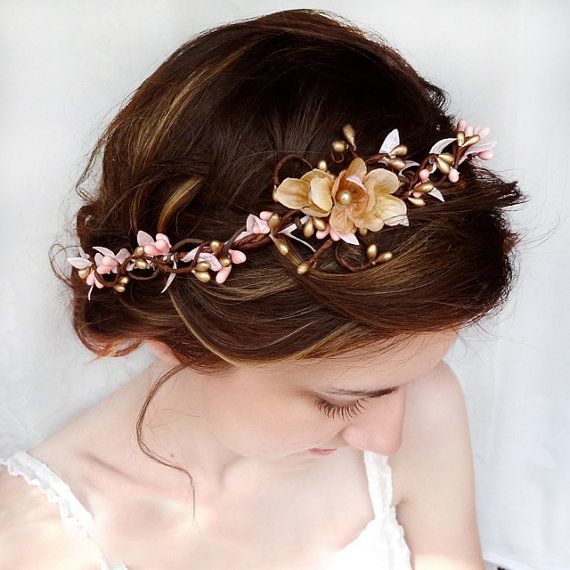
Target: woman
[{"x": 299, "y": 272}]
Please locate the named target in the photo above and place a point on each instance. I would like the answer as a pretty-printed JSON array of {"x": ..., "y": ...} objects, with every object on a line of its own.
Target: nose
[{"x": 380, "y": 427}]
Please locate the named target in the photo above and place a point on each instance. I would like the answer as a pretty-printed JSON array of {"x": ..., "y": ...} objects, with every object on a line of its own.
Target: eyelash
[{"x": 345, "y": 412}]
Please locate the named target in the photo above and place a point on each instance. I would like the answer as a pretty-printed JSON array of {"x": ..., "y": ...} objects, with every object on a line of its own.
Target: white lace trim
[{"x": 72, "y": 512}]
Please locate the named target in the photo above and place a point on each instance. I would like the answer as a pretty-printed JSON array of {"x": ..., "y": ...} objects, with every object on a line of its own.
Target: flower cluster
[{"x": 358, "y": 200}]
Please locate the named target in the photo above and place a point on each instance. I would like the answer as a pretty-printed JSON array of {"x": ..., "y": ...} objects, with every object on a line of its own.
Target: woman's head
[{"x": 192, "y": 154}]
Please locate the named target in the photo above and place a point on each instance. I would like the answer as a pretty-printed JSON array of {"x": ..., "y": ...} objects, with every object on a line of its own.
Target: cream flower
[
  {"x": 364, "y": 200},
  {"x": 311, "y": 193}
]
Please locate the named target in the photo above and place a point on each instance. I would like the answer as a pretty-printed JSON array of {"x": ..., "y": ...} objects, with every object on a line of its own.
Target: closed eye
[{"x": 347, "y": 410}]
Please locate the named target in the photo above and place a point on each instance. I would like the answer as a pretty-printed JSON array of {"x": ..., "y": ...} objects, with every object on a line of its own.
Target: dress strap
[
  {"x": 379, "y": 476},
  {"x": 37, "y": 473},
  {"x": 72, "y": 512}
]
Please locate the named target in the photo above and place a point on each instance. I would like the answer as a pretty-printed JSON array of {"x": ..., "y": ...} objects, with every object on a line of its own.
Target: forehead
[{"x": 369, "y": 368}]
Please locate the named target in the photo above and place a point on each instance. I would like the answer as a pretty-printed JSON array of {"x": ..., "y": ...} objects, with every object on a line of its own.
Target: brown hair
[{"x": 192, "y": 153}]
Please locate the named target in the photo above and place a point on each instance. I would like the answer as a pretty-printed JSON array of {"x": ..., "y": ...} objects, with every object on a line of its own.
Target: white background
[{"x": 66, "y": 67}]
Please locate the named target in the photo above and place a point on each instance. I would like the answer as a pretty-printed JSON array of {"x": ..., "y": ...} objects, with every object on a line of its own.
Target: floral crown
[{"x": 328, "y": 207}]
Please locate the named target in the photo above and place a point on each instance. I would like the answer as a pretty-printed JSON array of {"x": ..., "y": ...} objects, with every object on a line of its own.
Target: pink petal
[
  {"x": 334, "y": 234},
  {"x": 215, "y": 265},
  {"x": 348, "y": 237},
  {"x": 104, "y": 250},
  {"x": 356, "y": 180},
  {"x": 144, "y": 239},
  {"x": 79, "y": 262},
  {"x": 162, "y": 246},
  {"x": 323, "y": 233},
  {"x": 122, "y": 255},
  {"x": 391, "y": 141},
  {"x": 265, "y": 215},
  {"x": 170, "y": 279},
  {"x": 151, "y": 250},
  {"x": 222, "y": 274},
  {"x": 190, "y": 255},
  {"x": 163, "y": 237},
  {"x": 436, "y": 194},
  {"x": 109, "y": 261},
  {"x": 237, "y": 256}
]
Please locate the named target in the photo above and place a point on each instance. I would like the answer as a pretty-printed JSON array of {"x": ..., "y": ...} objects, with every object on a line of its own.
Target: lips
[{"x": 320, "y": 451}]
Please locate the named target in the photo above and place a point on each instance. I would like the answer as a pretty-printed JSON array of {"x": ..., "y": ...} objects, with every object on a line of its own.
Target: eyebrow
[{"x": 369, "y": 393}]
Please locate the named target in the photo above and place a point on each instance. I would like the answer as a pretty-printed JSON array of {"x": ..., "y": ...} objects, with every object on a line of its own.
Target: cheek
[{"x": 263, "y": 422}]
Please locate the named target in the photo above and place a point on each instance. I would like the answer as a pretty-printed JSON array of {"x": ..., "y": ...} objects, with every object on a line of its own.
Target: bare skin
[{"x": 262, "y": 500}]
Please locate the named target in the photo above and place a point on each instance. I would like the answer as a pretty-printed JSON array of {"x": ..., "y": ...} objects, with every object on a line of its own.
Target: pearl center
[{"x": 344, "y": 197}]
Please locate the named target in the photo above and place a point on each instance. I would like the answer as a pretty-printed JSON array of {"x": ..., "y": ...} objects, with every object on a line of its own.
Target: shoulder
[
  {"x": 31, "y": 530},
  {"x": 434, "y": 467}
]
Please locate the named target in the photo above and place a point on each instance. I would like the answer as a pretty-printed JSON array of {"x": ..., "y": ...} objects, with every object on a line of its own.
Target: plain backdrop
[{"x": 68, "y": 65}]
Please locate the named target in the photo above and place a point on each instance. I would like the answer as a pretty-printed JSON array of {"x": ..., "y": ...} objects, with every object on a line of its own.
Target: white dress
[{"x": 379, "y": 546}]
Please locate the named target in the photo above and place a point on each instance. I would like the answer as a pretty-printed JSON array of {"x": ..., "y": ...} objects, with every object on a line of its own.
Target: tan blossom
[
  {"x": 311, "y": 193},
  {"x": 364, "y": 200}
]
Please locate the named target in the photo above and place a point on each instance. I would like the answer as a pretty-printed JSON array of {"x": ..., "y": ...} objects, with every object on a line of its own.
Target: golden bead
[
  {"x": 397, "y": 163},
  {"x": 417, "y": 201},
  {"x": 309, "y": 228},
  {"x": 138, "y": 251},
  {"x": 339, "y": 146},
  {"x": 215, "y": 245},
  {"x": 119, "y": 288},
  {"x": 273, "y": 221},
  {"x": 282, "y": 247},
  {"x": 319, "y": 224},
  {"x": 442, "y": 165},
  {"x": 400, "y": 150},
  {"x": 203, "y": 276},
  {"x": 225, "y": 261},
  {"x": 362, "y": 231},
  {"x": 425, "y": 187},
  {"x": 344, "y": 197},
  {"x": 349, "y": 134},
  {"x": 447, "y": 157},
  {"x": 124, "y": 279},
  {"x": 202, "y": 266},
  {"x": 471, "y": 140},
  {"x": 303, "y": 267},
  {"x": 322, "y": 165},
  {"x": 386, "y": 256},
  {"x": 83, "y": 273},
  {"x": 141, "y": 264},
  {"x": 372, "y": 251},
  {"x": 460, "y": 138}
]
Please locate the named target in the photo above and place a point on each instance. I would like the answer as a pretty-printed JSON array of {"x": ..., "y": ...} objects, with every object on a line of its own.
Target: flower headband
[{"x": 322, "y": 205}]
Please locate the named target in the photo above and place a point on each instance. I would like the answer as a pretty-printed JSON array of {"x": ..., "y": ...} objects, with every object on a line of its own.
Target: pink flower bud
[
  {"x": 162, "y": 246},
  {"x": 486, "y": 154},
  {"x": 109, "y": 261},
  {"x": 453, "y": 175}
]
